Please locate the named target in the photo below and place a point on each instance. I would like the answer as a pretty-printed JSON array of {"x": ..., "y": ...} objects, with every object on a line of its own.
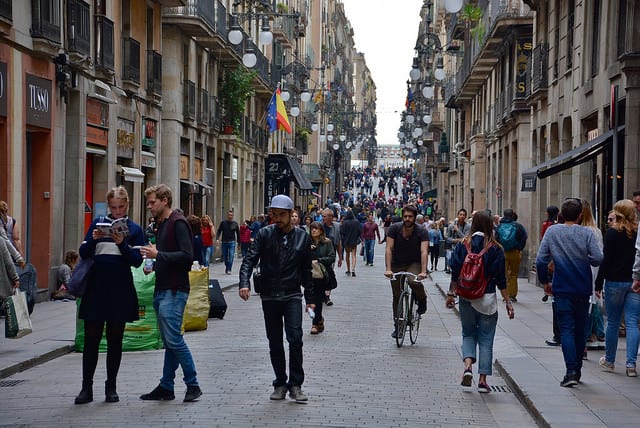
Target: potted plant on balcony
[
  {"x": 472, "y": 15},
  {"x": 234, "y": 92},
  {"x": 281, "y": 8},
  {"x": 302, "y": 139}
]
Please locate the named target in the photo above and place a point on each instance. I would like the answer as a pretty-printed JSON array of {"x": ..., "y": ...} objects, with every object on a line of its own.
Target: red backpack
[{"x": 472, "y": 281}]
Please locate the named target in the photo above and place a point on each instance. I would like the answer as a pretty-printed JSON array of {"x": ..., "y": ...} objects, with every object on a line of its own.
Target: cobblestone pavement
[{"x": 355, "y": 374}]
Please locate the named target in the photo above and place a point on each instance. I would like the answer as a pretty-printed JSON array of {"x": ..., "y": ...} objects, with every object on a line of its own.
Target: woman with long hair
[
  {"x": 616, "y": 274},
  {"x": 479, "y": 317},
  {"x": 208, "y": 231},
  {"x": 321, "y": 252},
  {"x": 110, "y": 297}
]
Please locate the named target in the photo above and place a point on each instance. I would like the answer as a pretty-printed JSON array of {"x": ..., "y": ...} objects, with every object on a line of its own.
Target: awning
[
  {"x": 91, "y": 150},
  {"x": 567, "y": 160},
  {"x": 300, "y": 178},
  {"x": 192, "y": 187},
  {"x": 132, "y": 174}
]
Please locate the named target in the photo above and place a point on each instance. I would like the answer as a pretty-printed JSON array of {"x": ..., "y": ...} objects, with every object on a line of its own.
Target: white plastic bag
[{"x": 17, "y": 321}]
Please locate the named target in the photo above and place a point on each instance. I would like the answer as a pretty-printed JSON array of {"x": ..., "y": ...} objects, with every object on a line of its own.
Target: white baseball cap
[{"x": 282, "y": 201}]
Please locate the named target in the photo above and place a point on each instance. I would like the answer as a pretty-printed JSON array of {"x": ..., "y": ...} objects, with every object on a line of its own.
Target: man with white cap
[{"x": 283, "y": 253}]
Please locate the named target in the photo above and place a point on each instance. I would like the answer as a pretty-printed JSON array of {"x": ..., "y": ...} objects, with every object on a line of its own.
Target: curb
[{"x": 36, "y": 361}]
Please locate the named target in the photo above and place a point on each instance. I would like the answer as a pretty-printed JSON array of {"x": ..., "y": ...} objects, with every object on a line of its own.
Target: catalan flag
[{"x": 277, "y": 115}]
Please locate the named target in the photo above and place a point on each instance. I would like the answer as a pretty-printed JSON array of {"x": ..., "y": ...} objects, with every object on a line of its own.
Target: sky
[{"x": 386, "y": 31}]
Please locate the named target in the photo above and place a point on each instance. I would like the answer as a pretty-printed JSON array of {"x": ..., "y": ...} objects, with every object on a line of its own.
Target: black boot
[
  {"x": 111, "y": 396},
  {"x": 86, "y": 393}
]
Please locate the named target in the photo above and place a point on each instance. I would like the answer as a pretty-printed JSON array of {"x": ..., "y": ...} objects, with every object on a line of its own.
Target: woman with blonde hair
[
  {"x": 616, "y": 273},
  {"x": 110, "y": 297},
  {"x": 208, "y": 231}
]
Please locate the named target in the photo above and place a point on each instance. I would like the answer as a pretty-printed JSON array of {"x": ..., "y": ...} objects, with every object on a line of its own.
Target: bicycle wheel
[
  {"x": 402, "y": 313},
  {"x": 414, "y": 320}
]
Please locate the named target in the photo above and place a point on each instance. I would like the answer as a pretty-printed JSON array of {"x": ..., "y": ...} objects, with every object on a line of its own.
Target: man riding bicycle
[{"x": 407, "y": 250}]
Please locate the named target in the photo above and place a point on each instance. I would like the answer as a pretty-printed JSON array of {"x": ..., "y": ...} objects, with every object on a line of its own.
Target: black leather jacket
[{"x": 277, "y": 280}]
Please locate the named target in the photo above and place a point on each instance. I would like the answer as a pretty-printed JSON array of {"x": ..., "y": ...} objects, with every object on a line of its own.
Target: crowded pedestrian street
[{"x": 355, "y": 373}]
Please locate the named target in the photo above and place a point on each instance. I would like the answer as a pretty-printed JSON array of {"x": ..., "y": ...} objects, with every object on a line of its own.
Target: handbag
[
  {"x": 257, "y": 282},
  {"x": 17, "y": 322},
  {"x": 78, "y": 283},
  {"x": 318, "y": 271}
]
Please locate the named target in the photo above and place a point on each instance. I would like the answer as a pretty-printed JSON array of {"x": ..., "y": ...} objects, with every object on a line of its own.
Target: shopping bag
[
  {"x": 80, "y": 277},
  {"x": 196, "y": 311},
  {"x": 17, "y": 321}
]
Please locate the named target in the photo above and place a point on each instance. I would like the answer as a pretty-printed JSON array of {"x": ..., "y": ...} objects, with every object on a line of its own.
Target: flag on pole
[
  {"x": 409, "y": 103},
  {"x": 277, "y": 115}
]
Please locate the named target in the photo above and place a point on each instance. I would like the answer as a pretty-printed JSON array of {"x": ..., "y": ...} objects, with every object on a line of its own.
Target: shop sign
[
  {"x": 3, "y": 89},
  {"x": 147, "y": 161},
  {"x": 149, "y": 138},
  {"x": 523, "y": 52},
  {"x": 38, "y": 96},
  {"x": 125, "y": 138}
]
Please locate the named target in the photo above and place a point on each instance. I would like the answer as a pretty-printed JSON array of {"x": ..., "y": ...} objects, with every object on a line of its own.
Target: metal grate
[
  {"x": 500, "y": 388},
  {"x": 10, "y": 383}
]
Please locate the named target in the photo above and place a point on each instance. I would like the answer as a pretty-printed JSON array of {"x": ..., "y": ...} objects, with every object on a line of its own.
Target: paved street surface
[{"x": 355, "y": 374}]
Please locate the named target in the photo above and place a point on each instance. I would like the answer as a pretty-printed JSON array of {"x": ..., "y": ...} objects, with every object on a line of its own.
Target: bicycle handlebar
[{"x": 415, "y": 276}]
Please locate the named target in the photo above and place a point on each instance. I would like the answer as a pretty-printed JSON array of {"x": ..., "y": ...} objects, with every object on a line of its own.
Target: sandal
[{"x": 314, "y": 329}]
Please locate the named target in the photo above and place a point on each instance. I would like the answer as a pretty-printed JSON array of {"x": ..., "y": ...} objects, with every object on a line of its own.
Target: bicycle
[{"x": 407, "y": 316}]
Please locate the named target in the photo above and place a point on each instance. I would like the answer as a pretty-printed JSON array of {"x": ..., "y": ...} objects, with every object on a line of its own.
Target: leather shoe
[
  {"x": 193, "y": 393},
  {"x": 110, "y": 394},
  {"x": 85, "y": 396},
  {"x": 159, "y": 393}
]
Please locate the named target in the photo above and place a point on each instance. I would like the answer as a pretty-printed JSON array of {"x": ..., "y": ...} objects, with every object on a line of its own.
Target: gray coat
[{"x": 8, "y": 274}]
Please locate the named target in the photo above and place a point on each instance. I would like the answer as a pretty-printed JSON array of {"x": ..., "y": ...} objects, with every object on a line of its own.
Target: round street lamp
[
  {"x": 453, "y": 6},
  {"x": 266, "y": 36},
  {"x": 336, "y": 146},
  {"x": 235, "y": 33}
]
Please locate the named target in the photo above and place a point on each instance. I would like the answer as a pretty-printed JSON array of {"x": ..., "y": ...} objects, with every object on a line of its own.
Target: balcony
[
  {"x": 104, "y": 45},
  {"x": 284, "y": 31},
  {"x": 203, "y": 111},
  {"x": 154, "y": 73},
  {"x": 131, "y": 61},
  {"x": 503, "y": 20},
  {"x": 215, "y": 118},
  {"x": 78, "y": 29},
  {"x": 45, "y": 26},
  {"x": 538, "y": 71}
]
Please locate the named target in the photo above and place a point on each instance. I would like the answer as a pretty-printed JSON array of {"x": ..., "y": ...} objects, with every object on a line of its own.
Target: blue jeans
[
  {"x": 369, "y": 245},
  {"x": 572, "y": 311},
  {"x": 618, "y": 297},
  {"x": 169, "y": 307},
  {"x": 287, "y": 313},
  {"x": 207, "y": 252},
  {"x": 228, "y": 252},
  {"x": 478, "y": 331}
]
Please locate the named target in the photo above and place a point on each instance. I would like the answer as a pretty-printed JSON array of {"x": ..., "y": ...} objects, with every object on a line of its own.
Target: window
[
  {"x": 78, "y": 27},
  {"x": 622, "y": 27},
  {"x": 6, "y": 10},
  {"x": 570, "y": 22},
  {"x": 45, "y": 19},
  {"x": 104, "y": 43},
  {"x": 595, "y": 31},
  {"x": 131, "y": 60}
]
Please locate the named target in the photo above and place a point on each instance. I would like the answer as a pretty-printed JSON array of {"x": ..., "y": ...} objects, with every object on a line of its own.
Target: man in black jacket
[
  {"x": 173, "y": 252},
  {"x": 230, "y": 233},
  {"x": 284, "y": 254}
]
